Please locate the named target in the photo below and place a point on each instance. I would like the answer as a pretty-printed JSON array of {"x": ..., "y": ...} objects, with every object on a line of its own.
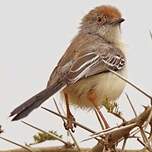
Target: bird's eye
[{"x": 99, "y": 19}]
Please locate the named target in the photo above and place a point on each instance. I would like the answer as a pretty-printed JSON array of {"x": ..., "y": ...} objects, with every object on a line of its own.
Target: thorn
[
  {"x": 145, "y": 107},
  {"x": 135, "y": 113}
]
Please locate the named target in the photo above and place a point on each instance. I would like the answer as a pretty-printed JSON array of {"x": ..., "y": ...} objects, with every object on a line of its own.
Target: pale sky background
[{"x": 33, "y": 36}]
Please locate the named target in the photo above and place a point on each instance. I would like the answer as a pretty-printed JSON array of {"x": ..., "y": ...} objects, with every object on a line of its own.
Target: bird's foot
[{"x": 70, "y": 125}]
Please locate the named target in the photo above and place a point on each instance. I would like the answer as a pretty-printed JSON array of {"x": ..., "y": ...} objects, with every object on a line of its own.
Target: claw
[
  {"x": 70, "y": 125},
  {"x": 75, "y": 125},
  {"x": 72, "y": 130},
  {"x": 65, "y": 126}
]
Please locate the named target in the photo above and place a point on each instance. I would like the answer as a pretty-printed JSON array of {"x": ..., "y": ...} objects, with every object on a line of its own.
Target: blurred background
[{"x": 33, "y": 36}]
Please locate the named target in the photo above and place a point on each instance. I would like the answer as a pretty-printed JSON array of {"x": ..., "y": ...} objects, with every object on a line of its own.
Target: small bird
[{"x": 82, "y": 74}]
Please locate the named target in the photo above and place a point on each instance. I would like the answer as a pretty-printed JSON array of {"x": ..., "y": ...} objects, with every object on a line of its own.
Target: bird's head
[{"x": 105, "y": 21}]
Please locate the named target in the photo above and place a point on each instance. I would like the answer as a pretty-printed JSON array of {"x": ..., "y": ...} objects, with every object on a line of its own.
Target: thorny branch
[
  {"x": 110, "y": 137},
  {"x": 122, "y": 131}
]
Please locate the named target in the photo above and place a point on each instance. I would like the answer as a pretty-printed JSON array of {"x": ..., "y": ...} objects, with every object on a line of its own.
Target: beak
[{"x": 118, "y": 21}]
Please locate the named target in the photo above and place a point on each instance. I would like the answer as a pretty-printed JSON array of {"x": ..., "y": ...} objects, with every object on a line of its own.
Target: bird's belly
[{"x": 105, "y": 86}]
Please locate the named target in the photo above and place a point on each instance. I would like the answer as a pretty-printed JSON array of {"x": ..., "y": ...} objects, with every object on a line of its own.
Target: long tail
[{"x": 28, "y": 106}]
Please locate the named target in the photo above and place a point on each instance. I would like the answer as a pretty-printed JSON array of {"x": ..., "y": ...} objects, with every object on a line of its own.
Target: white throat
[{"x": 111, "y": 33}]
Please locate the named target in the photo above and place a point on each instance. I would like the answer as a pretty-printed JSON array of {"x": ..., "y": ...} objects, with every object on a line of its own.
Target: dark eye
[{"x": 99, "y": 19}]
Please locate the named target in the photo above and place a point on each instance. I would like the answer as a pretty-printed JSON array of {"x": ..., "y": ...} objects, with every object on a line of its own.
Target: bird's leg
[
  {"x": 102, "y": 117},
  {"x": 70, "y": 118},
  {"x": 92, "y": 98}
]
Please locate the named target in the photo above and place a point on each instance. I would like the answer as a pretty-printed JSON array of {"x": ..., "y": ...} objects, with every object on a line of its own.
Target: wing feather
[{"x": 95, "y": 62}]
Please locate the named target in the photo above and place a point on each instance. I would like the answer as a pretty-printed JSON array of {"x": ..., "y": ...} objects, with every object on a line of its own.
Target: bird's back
[{"x": 80, "y": 45}]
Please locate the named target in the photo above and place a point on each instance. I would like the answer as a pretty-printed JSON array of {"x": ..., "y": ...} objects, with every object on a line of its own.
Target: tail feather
[{"x": 28, "y": 106}]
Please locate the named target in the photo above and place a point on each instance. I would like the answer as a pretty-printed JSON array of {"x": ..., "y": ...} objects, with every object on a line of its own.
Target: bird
[{"x": 83, "y": 74}]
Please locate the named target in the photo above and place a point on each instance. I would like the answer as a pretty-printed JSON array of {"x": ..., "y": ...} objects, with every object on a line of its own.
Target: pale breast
[{"x": 106, "y": 86}]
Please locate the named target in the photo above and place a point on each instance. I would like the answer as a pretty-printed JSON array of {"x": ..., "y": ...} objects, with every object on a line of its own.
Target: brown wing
[
  {"x": 96, "y": 62},
  {"x": 79, "y": 45},
  {"x": 91, "y": 56},
  {"x": 91, "y": 63}
]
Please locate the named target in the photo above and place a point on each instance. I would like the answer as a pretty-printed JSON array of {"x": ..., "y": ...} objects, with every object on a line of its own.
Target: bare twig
[
  {"x": 12, "y": 142},
  {"x": 118, "y": 115},
  {"x": 115, "y": 131},
  {"x": 131, "y": 104},
  {"x": 134, "y": 132},
  {"x": 106, "y": 130},
  {"x": 124, "y": 144},
  {"x": 142, "y": 143},
  {"x": 145, "y": 139},
  {"x": 56, "y": 137},
  {"x": 148, "y": 120},
  {"x": 48, "y": 149},
  {"x": 130, "y": 83}
]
